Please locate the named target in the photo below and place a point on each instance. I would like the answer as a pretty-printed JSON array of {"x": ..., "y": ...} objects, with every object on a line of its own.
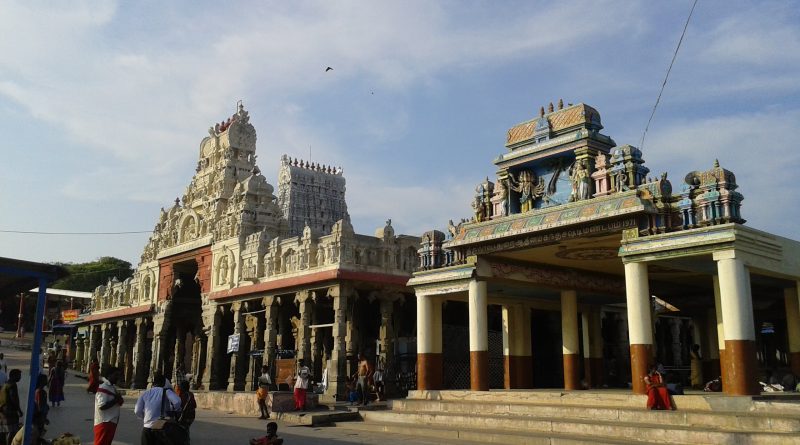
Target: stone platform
[{"x": 598, "y": 417}]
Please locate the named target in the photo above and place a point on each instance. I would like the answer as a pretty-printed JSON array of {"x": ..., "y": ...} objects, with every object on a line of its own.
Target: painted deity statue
[
  {"x": 526, "y": 185},
  {"x": 580, "y": 182}
]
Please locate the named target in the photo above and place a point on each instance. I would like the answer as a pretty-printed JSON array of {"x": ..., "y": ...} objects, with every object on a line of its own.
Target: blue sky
[{"x": 103, "y": 104}]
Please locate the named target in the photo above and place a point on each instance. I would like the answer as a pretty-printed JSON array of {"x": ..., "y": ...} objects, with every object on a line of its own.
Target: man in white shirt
[
  {"x": 149, "y": 407},
  {"x": 300, "y": 387},
  {"x": 106, "y": 407}
]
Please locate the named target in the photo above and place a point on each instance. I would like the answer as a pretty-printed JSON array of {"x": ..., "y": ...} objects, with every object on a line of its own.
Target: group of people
[{"x": 363, "y": 381}]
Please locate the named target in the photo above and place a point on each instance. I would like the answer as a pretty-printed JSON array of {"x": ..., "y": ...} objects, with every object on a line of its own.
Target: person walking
[
  {"x": 107, "y": 402},
  {"x": 301, "y": 387},
  {"x": 3, "y": 363},
  {"x": 262, "y": 393},
  {"x": 10, "y": 410},
  {"x": 188, "y": 405},
  {"x": 150, "y": 405},
  {"x": 56, "y": 384}
]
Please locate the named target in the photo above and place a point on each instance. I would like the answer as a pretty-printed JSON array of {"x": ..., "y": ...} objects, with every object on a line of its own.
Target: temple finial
[
  {"x": 716, "y": 163},
  {"x": 550, "y": 108},
  {"x": 560, "y": 104}
]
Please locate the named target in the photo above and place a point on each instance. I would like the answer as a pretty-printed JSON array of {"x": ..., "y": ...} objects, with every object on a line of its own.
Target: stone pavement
[{"x": 211, "y": 427}]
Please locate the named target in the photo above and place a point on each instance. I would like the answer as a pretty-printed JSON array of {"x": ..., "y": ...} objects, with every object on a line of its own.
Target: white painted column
[
  {"x": 640, "y": 322},
  {"x": 791, "y": 298},
  {"x": 429, "y": 343},
  {"x": 570, "y": 343},
  {"x": 478, "y": 336},
  {"x": 737, "y": 314}
]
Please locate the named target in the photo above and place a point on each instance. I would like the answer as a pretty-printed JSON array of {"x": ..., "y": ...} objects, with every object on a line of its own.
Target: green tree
[{"x": 87, "y": 276}]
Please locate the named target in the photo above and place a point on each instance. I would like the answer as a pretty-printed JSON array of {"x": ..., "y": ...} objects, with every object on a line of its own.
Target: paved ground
[{"x": 211, "y": 427}]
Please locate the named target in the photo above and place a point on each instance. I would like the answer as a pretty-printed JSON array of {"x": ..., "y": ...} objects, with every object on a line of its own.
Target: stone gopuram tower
[{"x": 311, "y": 194}]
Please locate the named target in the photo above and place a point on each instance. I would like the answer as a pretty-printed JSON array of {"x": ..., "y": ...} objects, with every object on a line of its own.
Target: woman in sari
[
  {"x": 657, "y": 394},
  {"x": 94, "y": 376},
  {"x": 56, "y": 384}
]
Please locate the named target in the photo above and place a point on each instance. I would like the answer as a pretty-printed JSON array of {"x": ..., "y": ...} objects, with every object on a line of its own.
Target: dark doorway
[{"x": 548, "y": 361}]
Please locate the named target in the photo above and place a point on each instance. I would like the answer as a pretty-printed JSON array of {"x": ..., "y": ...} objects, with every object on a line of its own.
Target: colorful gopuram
[
  {"x": 578, "y": 268},
  {"x": 234, "y": 277}
]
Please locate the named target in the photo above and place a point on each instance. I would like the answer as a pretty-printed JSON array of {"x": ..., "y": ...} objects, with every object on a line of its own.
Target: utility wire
[
  {"x": 32, "y": 232},
  {"x": 664, "y": 84}
]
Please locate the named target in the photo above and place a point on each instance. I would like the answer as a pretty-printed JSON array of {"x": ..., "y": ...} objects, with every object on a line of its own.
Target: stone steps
[
  {"x": 729, "y": 420},
  {"x": 597, "y": 417},
  {"x": 522, "y": 426},
  {"x": 482, "y": 435}
]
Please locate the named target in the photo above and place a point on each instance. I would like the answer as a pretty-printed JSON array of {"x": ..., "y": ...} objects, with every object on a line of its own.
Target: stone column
[
  {"x": 570, "y": 343},
  {"x": 710, "y": 346},
  {"x": 640, "y": 323},
  {"x": 212, "y": 320},
  {"x": 720, "y": 327},
  {"x": 105, "y": 345},
  {"x": 270, "y": 331},
  {"x": 592, "y": 348},
  {"x": 517, "y": 362},
  {"x": 737, "y": 315},
  {"x": 478, "y": 337},
  {"x": 112, "y": 347},
  {"x": 80, "y": 343},
  {"x": 94, "y": 341},
  {"x": 387, "y": 332},
  {"x": 238, "y": 328},
  {"x": 337, "y": 372},
  {"x": 791, "y": 297},
  {"x": 429, "y": 343},
  {"x": 254, "y": 332},
  {"x": 140, "y": 354},
  {"x": 179, "y": 355},
  {"x": 122, "y": 349},
  {"x": 303, "y": 345}
]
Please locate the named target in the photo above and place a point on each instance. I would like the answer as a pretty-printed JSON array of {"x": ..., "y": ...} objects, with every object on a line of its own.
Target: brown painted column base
[
  {"x": 742, "y": 369},
  {"x": 572, "y": 378},
  {"x": 479, "y": 370},
  {"x": 723, "y": 369},
  {"x": 518, "y": 372},
  {"x": 640, "y": 358},
  {"x": 794, "y": 362},
  {"x": 593, "y": 371},
  {"x": 429, "y": 371}
]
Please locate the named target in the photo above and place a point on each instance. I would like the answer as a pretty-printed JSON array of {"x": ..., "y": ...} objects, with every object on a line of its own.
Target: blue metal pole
[{"x": 37, "y": 345}]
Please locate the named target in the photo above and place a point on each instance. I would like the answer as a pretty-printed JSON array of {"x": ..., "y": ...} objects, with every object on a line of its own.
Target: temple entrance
[{"x": 185, "y": 323}]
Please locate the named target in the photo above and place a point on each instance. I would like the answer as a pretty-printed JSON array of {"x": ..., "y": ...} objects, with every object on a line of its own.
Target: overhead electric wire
[
  {"x": 33, "y": 232},
  {"x": 664, "y": 84}
]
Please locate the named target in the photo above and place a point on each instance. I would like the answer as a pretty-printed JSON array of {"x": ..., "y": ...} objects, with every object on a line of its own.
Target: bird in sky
[{"x": 328, "y": 69}]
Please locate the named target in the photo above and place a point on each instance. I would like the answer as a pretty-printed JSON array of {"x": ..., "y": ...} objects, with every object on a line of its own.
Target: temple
[
  {"x": 231, "y": 264},
  {"x": 577, "y": 269}
]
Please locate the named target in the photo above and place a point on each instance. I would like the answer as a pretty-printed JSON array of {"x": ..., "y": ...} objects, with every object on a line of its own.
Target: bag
[{"x": 170, "y": 430}]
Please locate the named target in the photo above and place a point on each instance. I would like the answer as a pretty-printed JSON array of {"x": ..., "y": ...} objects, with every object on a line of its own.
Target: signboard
[
  {"x": 70, "y": 315},
  {"x": 233, "y": 343},
  {"x": 284, "y": 371}
]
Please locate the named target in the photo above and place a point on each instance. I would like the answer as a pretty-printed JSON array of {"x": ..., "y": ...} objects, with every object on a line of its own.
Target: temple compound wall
[
  {"x": 234, "y": 277},
  {"x": 578, "y": 269}
]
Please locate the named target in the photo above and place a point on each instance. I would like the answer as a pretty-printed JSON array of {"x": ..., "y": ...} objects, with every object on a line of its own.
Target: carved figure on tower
[
  {"x": 580, "y": 182},
  {"x": 528, "y": 187}
]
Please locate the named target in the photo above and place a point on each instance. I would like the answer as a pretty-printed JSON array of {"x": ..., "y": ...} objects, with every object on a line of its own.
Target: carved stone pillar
[
  {"x": 212, "y": 320},
  {"x": 112, "y": 346},
  {"x": 255, "y": 326},
  {"x": 270, "y": 330},
  {"x": 386, "y": 330},
  {"x": 337, "y": 373},
  {"x": 303, "y": 300},
  {"x": 234, "y": 380},
  {"x": 105, "y": 338},
  {"x": 197, "y": 352},
  {"x": 79, "y": 353},
  {"x": 122, "y": 348},
  {"x": 139, "y": 354},
  {"x": 179, "y": 356},
  {"x": 95, "y": 345}
]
